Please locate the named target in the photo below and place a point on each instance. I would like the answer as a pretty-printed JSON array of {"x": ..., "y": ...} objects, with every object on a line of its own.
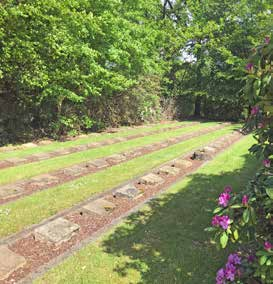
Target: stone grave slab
[
  {"x": 172, "y": 140},
  {"x": 151, "y": 179},
  {"x": 11, "y": 190},
  {"x": 62, "y": 152},
  {"x": 29, "y": 145},
  {"x": 43, "y": 180},
  {"x": 16, "y": 160},
  {"x": 201, "y": 155},
  {"x": 185, "y": 164},
  {"x": 93, "y": 145},
  {"x": 57, "y": 231},
  {"x": 120, "y": 139},
  {"x": 75, "y": 170},
  {"x": 168, "y": 170},
  {"x": 45, "y": 142},
  {"x": 9, "y": 262},
  {"x": 79, "y": 148},
  {"x": 41, "y": 156},
  {"x": 100, "y": 206},
  {"x": 210, "y": 149},
  {"x": 4, "y": 163},
  {"x": 127, "y": 191},
  {"x": 116, "y": 158},
  {"x": 99, "y": 163}
]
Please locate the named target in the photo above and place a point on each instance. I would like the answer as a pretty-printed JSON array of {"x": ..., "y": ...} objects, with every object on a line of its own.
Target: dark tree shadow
[{"x": 167, "y": 243}]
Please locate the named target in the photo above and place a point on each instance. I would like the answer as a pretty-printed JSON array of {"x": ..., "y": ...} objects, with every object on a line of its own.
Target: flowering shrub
[{"x": 246, "y": 218}]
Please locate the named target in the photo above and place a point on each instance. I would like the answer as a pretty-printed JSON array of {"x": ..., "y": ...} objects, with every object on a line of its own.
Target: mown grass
[
  {"x": 34, "y": 208},
  {"x": 164, "y": 242},
  {"x": 13, "y": 174},
  {"x": 21, "y": 153}
]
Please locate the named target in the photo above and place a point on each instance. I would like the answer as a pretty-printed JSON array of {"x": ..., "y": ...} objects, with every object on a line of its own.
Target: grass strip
[
  {"x": 41, "y": 205},
  {"x": 164, "y": 242},
  {"x": 25, "y": 171}
]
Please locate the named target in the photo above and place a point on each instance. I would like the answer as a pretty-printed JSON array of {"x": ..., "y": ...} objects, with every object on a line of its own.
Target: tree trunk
[{"x": 197, "y": 106}]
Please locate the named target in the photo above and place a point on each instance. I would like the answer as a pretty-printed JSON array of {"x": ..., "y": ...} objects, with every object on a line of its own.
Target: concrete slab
[
  {"x": 99, "y": 163},
  {"x": 15, "y": 160},
  {"x": 151, "y": 179},
  {"x": 57, "y": 231},
  {"x": 168, "y": 170},
  {"x": 100, "y": 206},
  {"x": 9, "y": 262},
  {"x": 182, "y": 163},
  {"x": 127, "y": 191},
  {"x": 116, "y": 158},
  {"x": 41, "y": 156},
  {"x": 8, "y": 191},
  {"x": 75, "y": 170}
]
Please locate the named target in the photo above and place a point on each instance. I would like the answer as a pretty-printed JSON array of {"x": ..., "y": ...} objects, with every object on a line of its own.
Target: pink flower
[
  {"x": 266, "y": 163},
  {"x": 267, "y": 40},
  {"x": 234, "y": 258},
  {"x": 215, "y": 220},
  {"x": 245, "y": 200},
  {"x": 268, "y": 245},
  {"x": 249, "y": 67},
  {"x": 224, "y": 199},
  {"x": 230, "y": 271},
  {"x": 228, "y": 189},
  {"x": 222, "y": 221},
  {"x": 220, "y": 278},
  {"x": 255, "y": 110}
]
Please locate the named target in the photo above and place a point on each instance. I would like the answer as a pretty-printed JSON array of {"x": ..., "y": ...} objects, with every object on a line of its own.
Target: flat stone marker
[
  {"x": 10, "y": 191},
  {"x": 57, "y": 231},
  {"x": 16, "y": 160},
  {"x": 169, "y": 170},
  {"x": 62, "y": 152},
  {"x": 4, "y": 163},
  {"x": 99, "y": 163},
  {"x": 172, "y": 140},
  {"x": 9, "y": 262},
  {"x": 43, "y": 180},
  {"x": 151, "y": 179},
  {"x": 116, "y": 158},
  {"x": 201, "y": 155},
  {"x": 100, "y": 206},
  {"x": 210, "y": 149},
  {"x": 93, "y": 145},
  {"x": 120, "y": 139},
  {"x": 45, "y": 142},
  {"x": 182, "y": 163},
  {"x": 75, "y": 171},
  {"x": 79, "y": 148},
  {"x": 41, "y": 156},
  {"x": 127, "y": 191},
  {"x": 29, "y": 145}
]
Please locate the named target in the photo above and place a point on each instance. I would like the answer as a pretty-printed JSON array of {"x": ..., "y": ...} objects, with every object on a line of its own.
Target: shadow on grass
[{"x": 166, "y": 243}]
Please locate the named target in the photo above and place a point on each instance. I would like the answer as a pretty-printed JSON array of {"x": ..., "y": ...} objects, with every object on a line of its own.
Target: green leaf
[
  {"x": 236, "y": 235},
  {"x": 269, "y": 192},
  {"x": 246, "y": 215},
  {"x": 224, "y": 240},
  {"x": 263, "y": 260}
]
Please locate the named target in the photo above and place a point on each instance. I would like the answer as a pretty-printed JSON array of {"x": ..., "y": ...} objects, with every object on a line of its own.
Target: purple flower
[
  {"x": 230, "y": 271},
  {"x": 220, "y": 277},
  {"x": 267, "y": 40},
  {"x": 222, "y": 221},
  {"x": 268, "y": 245},
  {"x": 249, "y": 67},
  {"x": 234, "y": 258},
  {"x": 255, "y": 110},
  {"x": 266, "y": 163},
  {"x": 215, "y": 220},
  {"x": 245, "y": 200},
  {"x": 228, "y": 189},
  {"x": 224, "y": 199}
]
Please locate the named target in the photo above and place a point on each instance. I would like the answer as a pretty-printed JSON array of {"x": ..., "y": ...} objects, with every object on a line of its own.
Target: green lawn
[
  {"x": 33, "y": 209},
  {"x": 20, "y": 153},
  {"x": 13, "y": 174},
  {"x": 165, "y": 242}
]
